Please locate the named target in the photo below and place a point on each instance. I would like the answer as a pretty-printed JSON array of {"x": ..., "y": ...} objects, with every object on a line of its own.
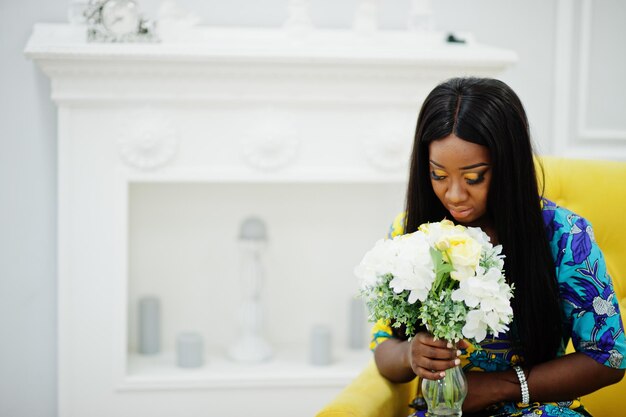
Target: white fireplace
[{"x": 163, "y": 149}]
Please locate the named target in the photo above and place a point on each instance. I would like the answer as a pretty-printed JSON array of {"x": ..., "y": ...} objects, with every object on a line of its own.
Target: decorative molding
[
  {"x": 562, "y": 73},
  {"x": 271, "y": 142},
  {"x": 609, "y": 135},
  {"x": 388, "y": 147},
  {"x": 197, "y": 82},
  {"x": 585, "y": 133},
  {"x": 577, "y": 139},
  {"x": 583, "y": 66},
  {"x": 389, "y": 154},
  {"x": 148, "y": 141}
]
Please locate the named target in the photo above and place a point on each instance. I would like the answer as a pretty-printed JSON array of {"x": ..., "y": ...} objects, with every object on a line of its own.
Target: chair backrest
[{"x": 596, "y": 190}]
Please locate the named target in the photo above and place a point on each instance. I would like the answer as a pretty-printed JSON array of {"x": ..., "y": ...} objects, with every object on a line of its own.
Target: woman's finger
[
  {"x": 429, "y": 361},
  {"x": 437, "y": 353},
  {"x": 420, "y": 349},
  {"x": 428, "y": 339},
  {"x": 436, "y": 365},
  {"x": 429, "y": 374}
]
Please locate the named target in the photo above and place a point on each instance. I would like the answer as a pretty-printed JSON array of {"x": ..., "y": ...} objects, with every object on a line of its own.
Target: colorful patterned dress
[{"x": 588, "y": 301}]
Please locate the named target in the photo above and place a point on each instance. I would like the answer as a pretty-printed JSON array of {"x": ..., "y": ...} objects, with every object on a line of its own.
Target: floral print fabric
[
  {"x": 590, "y": 307},
  {"x": 591, "y": 311}
]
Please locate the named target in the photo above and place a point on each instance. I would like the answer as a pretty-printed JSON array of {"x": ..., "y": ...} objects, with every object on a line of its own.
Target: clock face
[{"x": 120, "y": 17}]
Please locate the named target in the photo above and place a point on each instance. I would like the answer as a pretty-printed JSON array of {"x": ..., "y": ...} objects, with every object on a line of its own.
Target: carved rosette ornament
[
  {"x": 149, "y": 141},
  {"x": 271, "y": 143},
  {"x": 389, "y": 151}
]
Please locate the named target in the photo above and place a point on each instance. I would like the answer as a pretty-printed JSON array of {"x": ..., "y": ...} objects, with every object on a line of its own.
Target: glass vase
[{"x": 444, "y": 397}]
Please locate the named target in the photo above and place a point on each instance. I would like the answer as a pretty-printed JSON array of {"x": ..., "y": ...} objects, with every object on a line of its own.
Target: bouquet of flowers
[{"x": 447, "y": 277}]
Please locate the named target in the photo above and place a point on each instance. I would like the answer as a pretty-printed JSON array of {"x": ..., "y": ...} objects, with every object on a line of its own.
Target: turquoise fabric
[{"x": 590, "y": 307}]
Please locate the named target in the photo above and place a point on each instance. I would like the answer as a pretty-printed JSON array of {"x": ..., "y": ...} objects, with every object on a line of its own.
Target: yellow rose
[
  {"x": 464, "y": 254},
  {"x": 445, "y": 223},
  {"x": 442, "y": 245},
  {"x": 439, "y": 229}
]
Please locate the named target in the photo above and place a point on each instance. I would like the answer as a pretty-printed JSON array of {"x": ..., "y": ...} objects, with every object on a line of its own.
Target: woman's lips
[{"x": 460, "y": 213}]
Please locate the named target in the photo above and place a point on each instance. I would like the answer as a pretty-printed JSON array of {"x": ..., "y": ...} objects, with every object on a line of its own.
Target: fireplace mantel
[
  {"x": 215, "y": 57},
  {"x": 162, "y": 150}
]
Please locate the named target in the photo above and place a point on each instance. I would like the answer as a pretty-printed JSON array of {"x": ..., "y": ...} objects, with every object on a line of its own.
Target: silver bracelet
[{"x": 523, "y": 385}]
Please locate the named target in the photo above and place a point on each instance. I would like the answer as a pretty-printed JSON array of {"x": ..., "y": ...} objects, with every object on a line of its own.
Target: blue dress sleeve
[{"x": 589, "y": 304}]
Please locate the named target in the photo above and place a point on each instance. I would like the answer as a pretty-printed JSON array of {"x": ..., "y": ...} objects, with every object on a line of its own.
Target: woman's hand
[
  {"x": 400, "y": 360},
  {"x": 429, "y": 358}
]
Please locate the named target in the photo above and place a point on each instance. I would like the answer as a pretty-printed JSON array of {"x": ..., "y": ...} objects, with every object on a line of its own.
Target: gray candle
[
  {"x": 149, "y": 326},
  {"x": 357, "y": 322},
  {"x": 189, "y": 350},
  {"x": 321, "y": 345}
]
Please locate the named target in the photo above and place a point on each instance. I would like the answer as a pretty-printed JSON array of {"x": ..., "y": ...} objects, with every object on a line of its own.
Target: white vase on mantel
[
  {"x": 366, "y": 17},
  {"x": 251, "y": 346},
  {"x": 420, "y": 16},
  {"x": 299, "y": 23}
]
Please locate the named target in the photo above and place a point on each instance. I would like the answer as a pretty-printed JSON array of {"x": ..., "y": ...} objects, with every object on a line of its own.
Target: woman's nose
[{"x": 456, "y": 192}]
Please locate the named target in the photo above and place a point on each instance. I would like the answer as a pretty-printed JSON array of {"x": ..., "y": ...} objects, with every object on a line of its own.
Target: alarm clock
[{"x": 117, "y": 21}]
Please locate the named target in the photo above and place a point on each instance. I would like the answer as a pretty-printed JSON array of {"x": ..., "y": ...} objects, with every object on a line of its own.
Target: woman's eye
[
  {"x": 473, "y": 179},
  {"x": 435, "y": 176}
]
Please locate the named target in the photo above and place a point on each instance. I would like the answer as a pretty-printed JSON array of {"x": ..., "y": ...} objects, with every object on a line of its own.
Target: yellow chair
[{"x": 595, "y": 190}]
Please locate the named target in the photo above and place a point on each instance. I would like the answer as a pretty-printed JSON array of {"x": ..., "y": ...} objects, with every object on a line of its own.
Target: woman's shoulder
[
  {"x": 570, "y": 235},
  {"x": 559, "y": 220},
  {"x": 397, "y": 226},
  {"x": 550, "y": 207}
]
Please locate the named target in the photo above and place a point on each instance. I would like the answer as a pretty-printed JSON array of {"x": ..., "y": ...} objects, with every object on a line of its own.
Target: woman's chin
[{"x": 465, "y": 216}]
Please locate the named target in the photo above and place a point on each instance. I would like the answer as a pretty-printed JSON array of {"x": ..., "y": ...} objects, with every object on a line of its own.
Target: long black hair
[{"x": 489, "y": 113}]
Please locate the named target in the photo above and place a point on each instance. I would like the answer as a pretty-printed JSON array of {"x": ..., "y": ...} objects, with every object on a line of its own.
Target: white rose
[
  {"x": 412, "y": 268},
  {"x": 475, "y": 326},
  {"x": 479, "y": 236},
  {"x": 489, "y": 294},
  {"x": 377, "y": 262}
]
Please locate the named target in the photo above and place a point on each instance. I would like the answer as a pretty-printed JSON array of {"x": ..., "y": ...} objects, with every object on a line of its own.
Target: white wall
[
  {"x": 28, "y": 144},
  {"x": 27, "y": 218}
]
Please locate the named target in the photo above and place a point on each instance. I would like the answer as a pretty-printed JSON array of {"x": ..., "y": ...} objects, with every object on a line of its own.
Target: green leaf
[{"x": 442, "y": 272}]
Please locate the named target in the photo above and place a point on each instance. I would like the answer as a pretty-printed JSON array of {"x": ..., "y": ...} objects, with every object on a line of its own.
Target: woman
[{"x": 473, "y": 162}]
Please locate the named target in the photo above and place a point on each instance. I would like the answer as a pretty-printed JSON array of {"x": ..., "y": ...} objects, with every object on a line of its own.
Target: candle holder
[
  {"x": 189, "y": 350},
  {"x": 149, "y": 326},
  {"x": 357, "y": 325},
  {"x": 321, "y": 346}
]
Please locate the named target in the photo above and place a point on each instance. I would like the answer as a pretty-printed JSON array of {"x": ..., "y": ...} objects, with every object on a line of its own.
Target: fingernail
[
  {"x": 457, "y": 361},
  {"x": 442, "y": 374},
  {"x": 458, "y": 353},
  {"x": 449, "y": 345}
]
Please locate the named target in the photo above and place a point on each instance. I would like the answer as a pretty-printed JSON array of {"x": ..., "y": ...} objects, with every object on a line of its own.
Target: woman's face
[{"x": 460, "y": 173}]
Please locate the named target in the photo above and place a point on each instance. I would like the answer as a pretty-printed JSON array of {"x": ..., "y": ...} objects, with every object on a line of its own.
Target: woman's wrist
[
  {"x": 521, "y": 376},
  {"x": 508, "y": 388},
  {"x": 406, "y": 358},
  {"x": 391, "y": 359}
]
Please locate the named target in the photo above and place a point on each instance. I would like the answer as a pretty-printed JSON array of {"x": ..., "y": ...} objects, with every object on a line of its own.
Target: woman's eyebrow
[{"x": 480, "y": 164}]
